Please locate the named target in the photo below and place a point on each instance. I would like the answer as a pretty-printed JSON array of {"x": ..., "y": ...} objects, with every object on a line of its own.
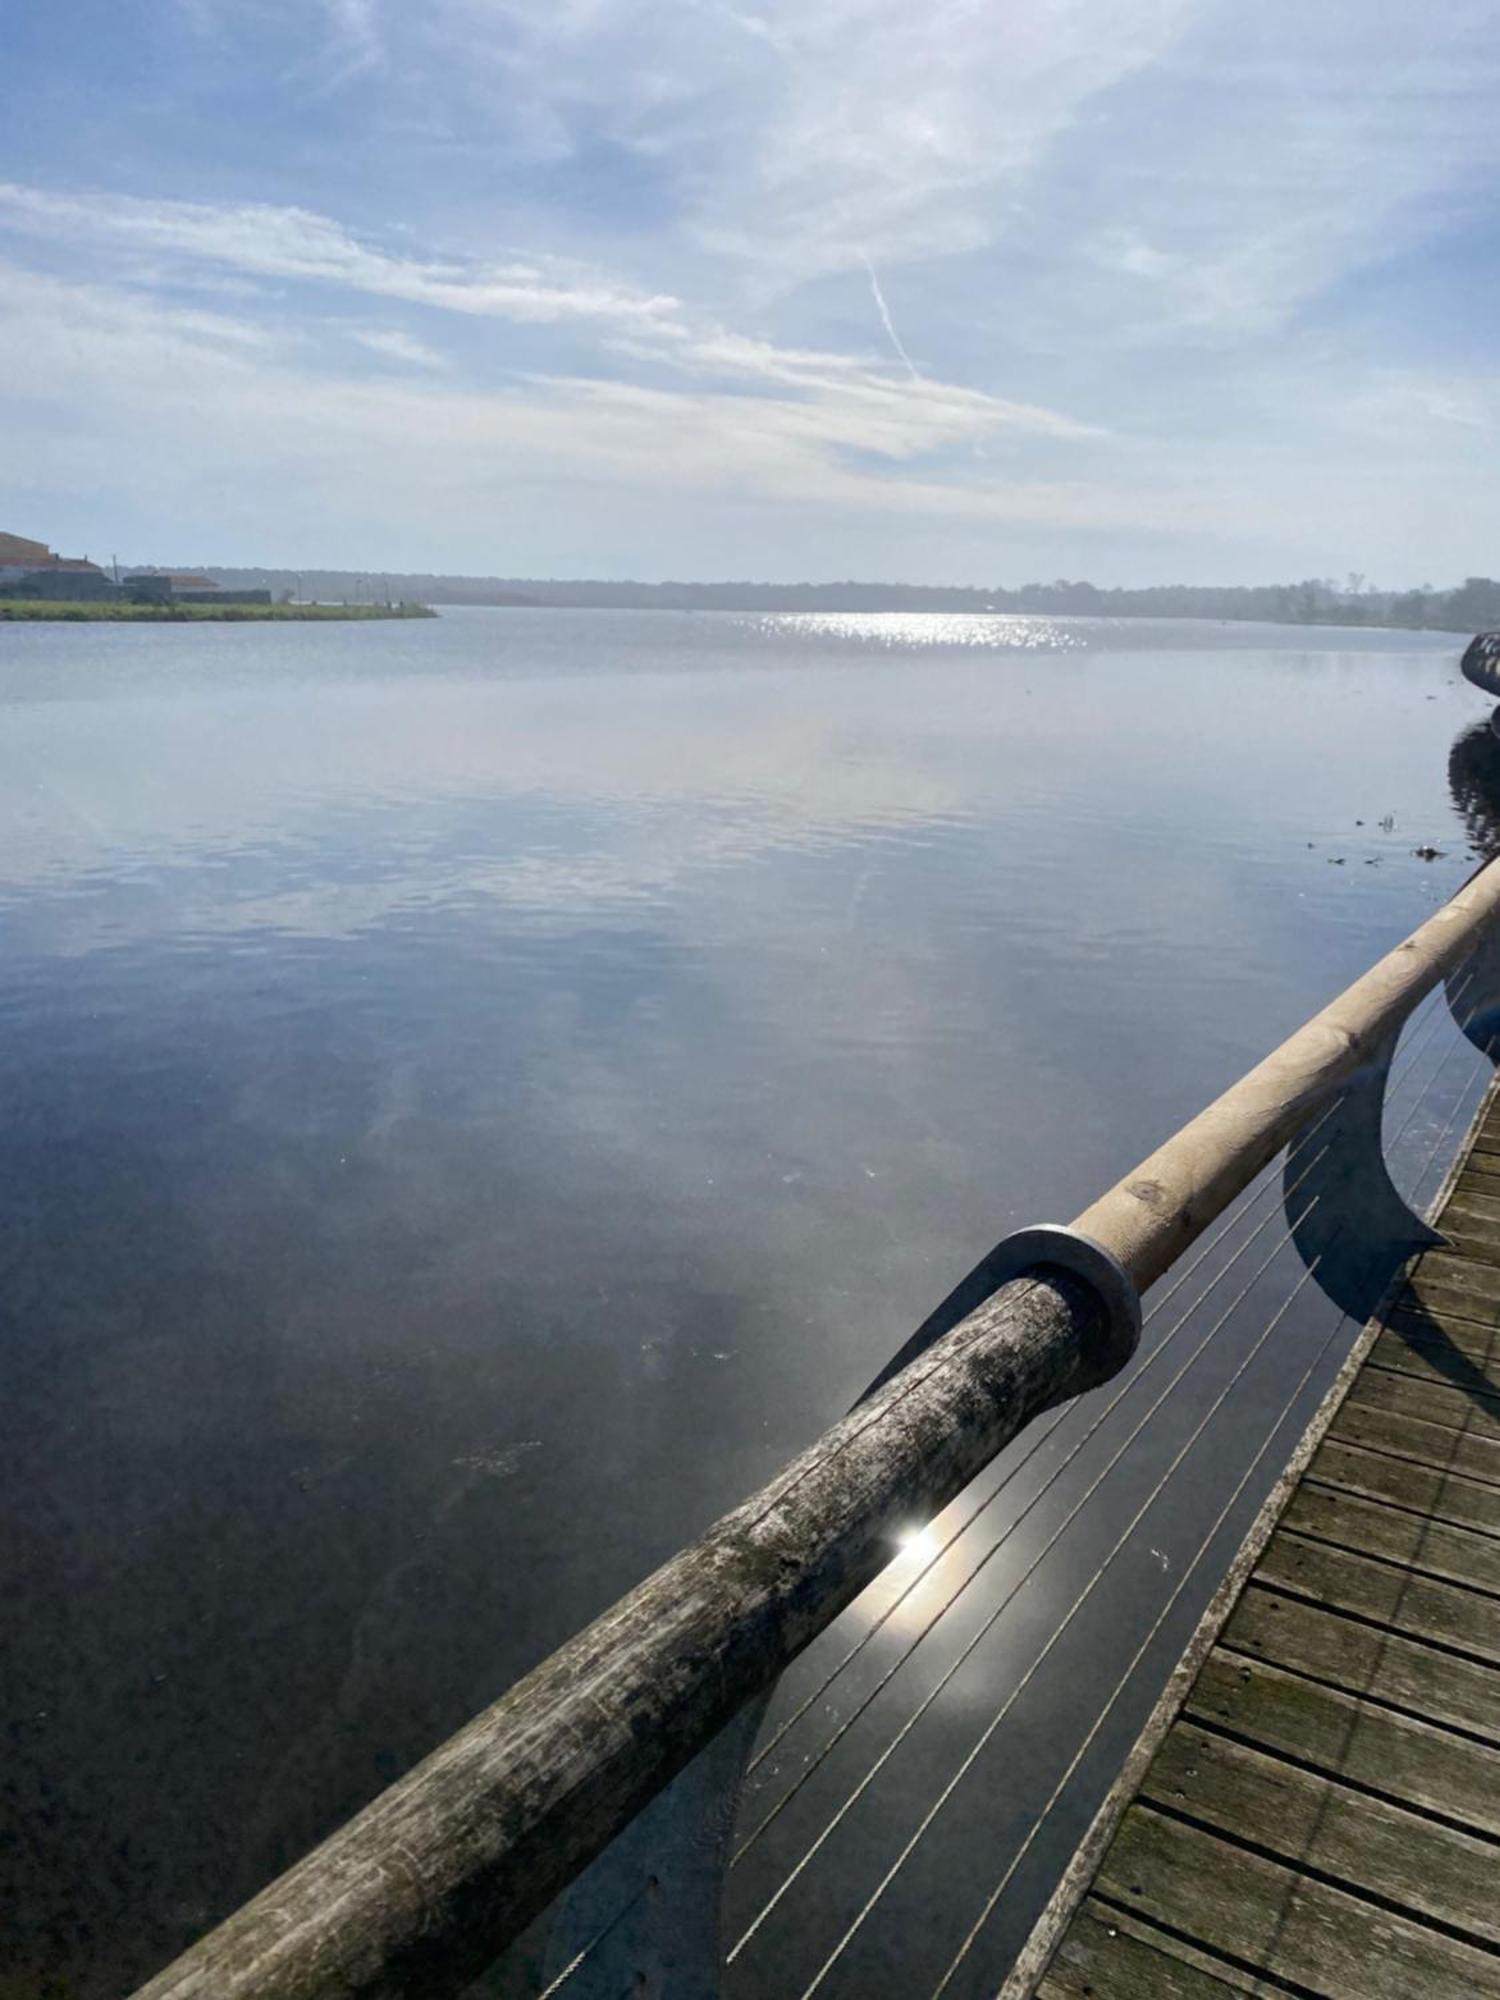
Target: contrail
[{"x": 885, "y": 316}]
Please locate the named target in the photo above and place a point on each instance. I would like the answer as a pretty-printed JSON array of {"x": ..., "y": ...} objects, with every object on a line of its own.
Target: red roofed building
[
  {"x": 18, "y": 553},
  {"x": 30, "y": 569}
]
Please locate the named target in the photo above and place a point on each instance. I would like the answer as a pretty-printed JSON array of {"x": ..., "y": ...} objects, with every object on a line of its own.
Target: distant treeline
[{"x": 1472, "y": 606}]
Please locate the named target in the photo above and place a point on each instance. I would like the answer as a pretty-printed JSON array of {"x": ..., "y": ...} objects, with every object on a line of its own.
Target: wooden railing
[{"x": 426, "y": 1886}]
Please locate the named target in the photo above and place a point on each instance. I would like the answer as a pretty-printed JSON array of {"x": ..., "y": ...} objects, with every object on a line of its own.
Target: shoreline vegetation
[
  {"x": 115, "y": 612},
  {"x": 1470, "y": 606},
  {"x": 1473, "y": 606}
]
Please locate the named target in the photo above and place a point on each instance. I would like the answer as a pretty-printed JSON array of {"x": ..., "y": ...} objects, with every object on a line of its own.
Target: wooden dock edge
[{"x": 1047, "y": 1933}]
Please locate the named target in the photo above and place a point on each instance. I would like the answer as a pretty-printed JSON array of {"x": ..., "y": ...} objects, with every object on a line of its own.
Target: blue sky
[{"x": 982, "y": 290}]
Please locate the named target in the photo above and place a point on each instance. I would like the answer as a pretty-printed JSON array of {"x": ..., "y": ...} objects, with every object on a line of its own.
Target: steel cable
[
  {"x": 989, "y": 1622},
  {"x": 1057, "y": 1472},
  {"x": 1140, "y": 1652},
  {"x": 1242, "y": 1207},
  {"x": 1241, "y": 1210},
  {"x": 587, "y": 1951},
  {"x": 988, "y": 1734},
  {"x": 1207, "y": 1540},
  {"x": 942, "y": 1611},
  {"x": 1452, "y": 1115},
  {"x": 989, "y": 1731}
]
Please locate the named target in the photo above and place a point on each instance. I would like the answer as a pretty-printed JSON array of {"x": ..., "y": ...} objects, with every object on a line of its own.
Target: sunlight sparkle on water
[
  {"x": 992, "y": 632},
  {"x": 917, "y": 1545}
]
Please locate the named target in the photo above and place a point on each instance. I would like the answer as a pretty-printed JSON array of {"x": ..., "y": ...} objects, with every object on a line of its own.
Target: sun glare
[{"x": 917, "y": 1545}]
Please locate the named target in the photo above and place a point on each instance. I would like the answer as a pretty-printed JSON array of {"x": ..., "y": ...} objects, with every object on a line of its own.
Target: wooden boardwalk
[{"x": 1322, "y": 1813}]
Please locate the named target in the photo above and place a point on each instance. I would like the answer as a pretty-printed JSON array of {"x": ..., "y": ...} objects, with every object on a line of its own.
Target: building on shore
[
  {"x": 185, "y": 587},
  {"x": 30, "y": 569},
  {"x": 18, "y": 557}
]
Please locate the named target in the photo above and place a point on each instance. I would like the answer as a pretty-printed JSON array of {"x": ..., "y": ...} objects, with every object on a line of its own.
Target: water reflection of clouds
[
  {"x": 401, "y": 1075},
  {"x": 135, "y": 784}
]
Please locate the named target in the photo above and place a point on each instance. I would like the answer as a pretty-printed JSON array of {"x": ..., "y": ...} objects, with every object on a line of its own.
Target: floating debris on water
[{"x": 502, "y": 1463}]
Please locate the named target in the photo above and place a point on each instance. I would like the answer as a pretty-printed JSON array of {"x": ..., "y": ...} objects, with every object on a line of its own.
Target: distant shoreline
[
  {"x": 40, "y": 610},
  {"x": 1471, "y": 606}
]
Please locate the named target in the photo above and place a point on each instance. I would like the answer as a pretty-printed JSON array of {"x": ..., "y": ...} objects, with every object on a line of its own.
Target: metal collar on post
[{"x": 1055, "y": 1245}]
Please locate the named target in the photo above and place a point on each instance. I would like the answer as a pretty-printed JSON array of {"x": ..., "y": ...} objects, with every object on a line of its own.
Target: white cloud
[
  {"x": 356, "y": 31},
  {"x": 352, "y": 45},
  {"x": 394, "y": 345},
  {"x": 1271, "y": 158},
  {"x": 867, "y": 404},
  {"x": 197, "y": 420},
  {"x": 175, "y": 396},
  {"x": 849, "y": 401},
  {"x": 1129, "y": 243},
  {"x": 806, "y": 133},
  {"x": 1154, "y": 168},
  {"x": 295, "y": 243}
]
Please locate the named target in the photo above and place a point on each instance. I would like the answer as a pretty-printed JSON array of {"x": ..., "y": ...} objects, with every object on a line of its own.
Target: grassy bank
[{"x": 115, "y": 613}]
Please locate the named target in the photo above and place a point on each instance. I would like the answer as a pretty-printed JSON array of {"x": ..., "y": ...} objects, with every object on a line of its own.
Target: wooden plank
[
  {"x": 1443, "y": 1265},
  {"x": 1475, "y": 1412},
  {"x": 1479, "y": 1246},
  {"x": 1470, "y": 1204},
  {"x": 1416, "y": 1327},
  {"x": 1374, "y": 1847},
  {"x": 1444, "y": 1614},
  {"x": 1110, "y": 1953},
  {"x": 1292, "y": 1927},
  {"x": 1423, "y": 1443},
  {"x": 1324, "y": 1812},
  {"x": 1073, "y": 1884},
  {"x": 1398, "y": 1537},
  {"x": 1437, "y": 1686},
  {"x": 1472, "y": 1237},
  {"x": 1431, "y": 1357},
  {"x": 1398, "y": 1482},
  {"x": 1413, "y": 1762},
  {"x": 1450, "y": 1283}
]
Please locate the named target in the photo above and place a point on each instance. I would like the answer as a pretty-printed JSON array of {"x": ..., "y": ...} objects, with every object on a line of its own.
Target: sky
[{"x": 977, "y": 291}]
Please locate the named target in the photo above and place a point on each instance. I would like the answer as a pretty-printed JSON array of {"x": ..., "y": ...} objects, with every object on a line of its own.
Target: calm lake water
[{"x": 480, "y": 1094}]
